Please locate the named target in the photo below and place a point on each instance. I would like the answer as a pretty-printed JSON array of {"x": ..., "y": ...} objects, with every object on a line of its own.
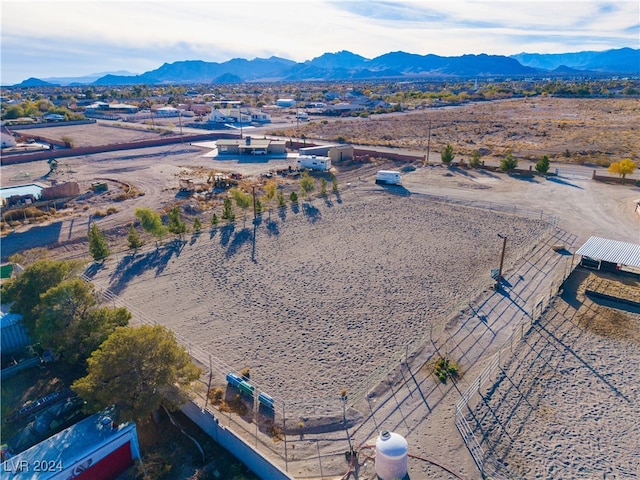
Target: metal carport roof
[{"x": 614, "y": 251}]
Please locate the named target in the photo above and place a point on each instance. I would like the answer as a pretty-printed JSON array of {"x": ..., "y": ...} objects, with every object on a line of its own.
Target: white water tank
[{"x": 392, "y": 456}]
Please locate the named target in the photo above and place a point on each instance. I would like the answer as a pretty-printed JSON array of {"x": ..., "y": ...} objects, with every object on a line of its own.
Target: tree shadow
[
  {"x": 338, "y": 197},
  {"x": 240, "y": 238},
  {"x": 213, "y": 232},
  {"x": 93, "y": 269},
  {"x": 273, "y": 228},
  {"x": 311, "y": 212},
  {"x": 194, "y": 238},
  {"x": 132, "y": 266},
  {"x": 487, "y": 173},
  {"x": 327, "y": 201},
  {"x": 525, "y": 177},
  {"x": 225, "y": 234},
  {"x": 462, "y": 171},
  {"x": 295, "y": 207},
  {"x": 282, "y": 213}
]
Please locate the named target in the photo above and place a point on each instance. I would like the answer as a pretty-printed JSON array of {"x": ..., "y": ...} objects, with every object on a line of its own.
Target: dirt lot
[{"x": 96, "y": 134}]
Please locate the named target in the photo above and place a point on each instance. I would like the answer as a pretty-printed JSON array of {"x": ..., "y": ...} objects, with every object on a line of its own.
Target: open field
[
  {"x": 313, "y": 301},
  {"x": 94, "y": 134},
  {"x": 597, "y": 131}
]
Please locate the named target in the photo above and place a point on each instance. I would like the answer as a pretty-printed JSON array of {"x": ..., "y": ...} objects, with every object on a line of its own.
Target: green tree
[
  {"x": 98, "y": 247},
  {"x": 270, "y": 191},
  {"x": 136, "y": 369},
  {"x": 227, "y": 210},
  {"x": 23, "y": 292},
  {"x": 60, "y": 306},
  {"x": 197, "y": 226},
  {"x": 542, "y": 165},
  {"x": 243, "y": 200},
  {"x": 86, "y": 334},
  {"x": 447, "y": 154},
  {"x": 307, "y": 184},
  {"x": 214, "y": 220},
  {"x": 475, "y": 159},
  {"x": 13, "y": 112},
  {"x": 293, "y": 197},
  {"x": 323, "y": 186},
  {"x": 623, "y": 167},
  {"x": 334, "y": 183},
  {"x": 176, "y": 225},
  {"x": 281, "y": 200},
  {"x": 133, "y": 239},
  {"x": 69, "y": 322},
  {"x": 508, "y": 163},
  {"x": 151, "y": 222}
]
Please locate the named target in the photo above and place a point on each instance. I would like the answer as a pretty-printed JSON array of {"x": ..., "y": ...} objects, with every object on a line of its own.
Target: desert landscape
[
  {"x": 314, "y": 299},
  {"x": 592, "y": 131},
  {"x": 566, "y": 402}
]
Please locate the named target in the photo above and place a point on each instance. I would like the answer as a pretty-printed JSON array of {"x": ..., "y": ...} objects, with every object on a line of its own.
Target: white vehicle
[
  {"x": 314, "y": 162},
  {"x": 388, "y": 177}
]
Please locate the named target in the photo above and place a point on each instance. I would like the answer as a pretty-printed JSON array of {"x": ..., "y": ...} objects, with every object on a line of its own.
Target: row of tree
[
  {"x": 152, "y": 222},
  {"x": 509, "y": 162},
  {"x": 131, "y": 367}
]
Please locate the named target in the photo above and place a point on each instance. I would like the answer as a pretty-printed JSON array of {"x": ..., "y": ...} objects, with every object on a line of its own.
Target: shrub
[
  {"x": 542, "y": 166},
  {"x": 447, "y": 154},
  {"x": 246, "y": 373},
  {"x": 215, "y": 396},
  {"x": 475, "y": 159},
  {"x": 445, "y": 368},
  {"x": 508, "y": 163}
]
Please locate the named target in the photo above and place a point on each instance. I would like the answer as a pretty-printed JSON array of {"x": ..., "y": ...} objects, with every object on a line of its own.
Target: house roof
[
  {"x": 614, "y": 251},
  {"x": 242, "y": 142},
  {"x": 64, "y": 449}
]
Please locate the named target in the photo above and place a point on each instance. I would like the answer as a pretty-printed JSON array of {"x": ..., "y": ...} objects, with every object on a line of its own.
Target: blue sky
[{"x": 51, "y": 38}]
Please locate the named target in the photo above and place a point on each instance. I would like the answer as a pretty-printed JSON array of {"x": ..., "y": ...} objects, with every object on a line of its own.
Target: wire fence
[
  {"x": 486, "y": 462},
  {"x": 262, "y": 428}
]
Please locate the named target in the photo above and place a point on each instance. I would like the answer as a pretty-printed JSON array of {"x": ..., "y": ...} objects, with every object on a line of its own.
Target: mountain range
[{"x": 346, "y": 65}]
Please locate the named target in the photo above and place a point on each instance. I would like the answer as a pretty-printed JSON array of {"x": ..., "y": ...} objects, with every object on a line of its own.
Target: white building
[{"x": 285, "y": 102}]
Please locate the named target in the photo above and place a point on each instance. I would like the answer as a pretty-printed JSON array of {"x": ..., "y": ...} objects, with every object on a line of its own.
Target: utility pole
[
  {"x": 255, "y": 212},
  {"x": 428, "y": 143},
  {"x": 504, "y": 247}
]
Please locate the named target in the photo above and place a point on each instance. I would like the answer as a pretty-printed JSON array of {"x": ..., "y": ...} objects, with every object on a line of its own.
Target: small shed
[
  {"x": 610, "y": 255},
  {"x": 13, "y": 334}
]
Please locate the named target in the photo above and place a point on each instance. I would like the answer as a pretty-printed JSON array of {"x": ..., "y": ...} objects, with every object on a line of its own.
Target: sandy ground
[
  {"x": 568, "y": 401},
  {"x": 340, "y": 284}
]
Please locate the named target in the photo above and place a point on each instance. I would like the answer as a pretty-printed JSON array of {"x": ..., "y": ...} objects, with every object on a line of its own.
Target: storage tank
[{"x": 392, "y": 456}]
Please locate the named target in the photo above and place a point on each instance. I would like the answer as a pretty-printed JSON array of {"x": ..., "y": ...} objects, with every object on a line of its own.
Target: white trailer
[
  {"x": 388, "y": 177},
  {"x": 314, "y": 162}
]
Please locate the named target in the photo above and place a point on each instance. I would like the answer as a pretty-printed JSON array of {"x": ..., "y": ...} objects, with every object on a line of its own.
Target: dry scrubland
[
  {"x": 314, "y": 302},
  {"x": 593, "y": 130},
  {"x": 569, "y": 404},
  {"x": 95, "y": 134}
]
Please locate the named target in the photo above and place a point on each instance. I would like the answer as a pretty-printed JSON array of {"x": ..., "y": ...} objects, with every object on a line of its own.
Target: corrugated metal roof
[{"x": 613, "y": 251}]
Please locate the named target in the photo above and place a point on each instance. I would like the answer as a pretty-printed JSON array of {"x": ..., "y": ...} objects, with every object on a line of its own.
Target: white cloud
[{"x": 139, "y": 36}]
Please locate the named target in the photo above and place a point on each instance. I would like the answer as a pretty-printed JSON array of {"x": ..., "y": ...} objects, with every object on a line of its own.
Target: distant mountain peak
[{"x": 345, "y": 65}]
